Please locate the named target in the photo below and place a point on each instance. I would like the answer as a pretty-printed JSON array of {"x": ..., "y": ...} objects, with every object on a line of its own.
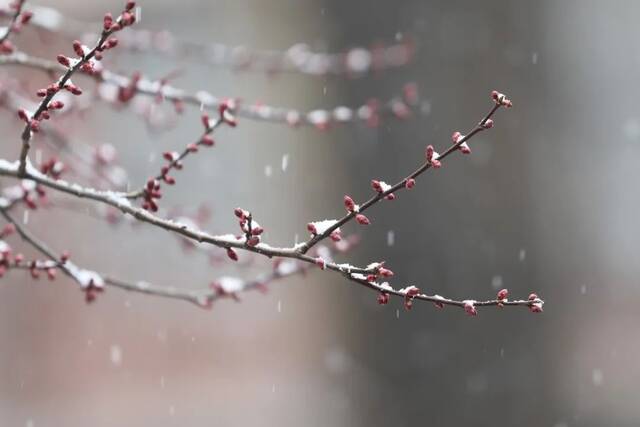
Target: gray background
[{"x": 548, "y": 201}]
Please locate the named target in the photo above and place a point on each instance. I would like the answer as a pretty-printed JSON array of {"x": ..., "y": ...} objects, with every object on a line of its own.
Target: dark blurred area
[{"x": 546, "y": 202}]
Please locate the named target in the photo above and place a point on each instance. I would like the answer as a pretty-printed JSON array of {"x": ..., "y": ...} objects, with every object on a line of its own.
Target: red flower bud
[
  {"x": 410, "y": 183},
  {"x": 207, "y": 141},
  {"x": 77, "y": 48},
  {"x": 321, "y": 263},
  {"x": 63, "y": 60},
  {"x": 232, "y": 254},
  {"x": 362, "y": 220},
  {"x": 56, "y": 105},
  {"x": 107, "y": 21},
  {"x": 470, "y": 308},
  {"x": 23, "y": 115},
  {"x": 349, "y": 203},
  {"x": 385, "y": 272},
  {"x": 503, "y": 294},
  {"x": 383, "y": 298}
]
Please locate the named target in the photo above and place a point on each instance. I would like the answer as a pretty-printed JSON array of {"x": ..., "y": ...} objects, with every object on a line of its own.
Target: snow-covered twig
[
  {"x": 400, "y": 107},
  {"x": 85, "y": 62}
]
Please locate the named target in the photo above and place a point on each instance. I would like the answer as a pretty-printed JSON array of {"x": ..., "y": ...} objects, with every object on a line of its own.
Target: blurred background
[{"x": 547, "y": 202}]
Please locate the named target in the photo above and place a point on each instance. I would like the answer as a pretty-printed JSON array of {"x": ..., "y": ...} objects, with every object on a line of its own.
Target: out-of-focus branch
[
  {"x": 371, "y": 113},
  {"x": 299, "y": 58},
  {"x": 18, "y": 19}
]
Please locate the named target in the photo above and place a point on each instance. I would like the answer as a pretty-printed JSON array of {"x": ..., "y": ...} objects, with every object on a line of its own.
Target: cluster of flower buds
[
  {"x": 382, "y": 187},
  {"x": 126, "y": 18},
  {"x": 251, "y": 229},
  {"x": 34, "y": 121},
  {"x": 432, "y": 157},
  {"x": 536, "y": 303},
  {"x": 53, "y": 168},
  {"x": 379, "y": 270},
  {"x": 383, "y": 298},
  {"x": 91, "y": 291},
  {"x": 321, "y": 227},
  {"x": 28, "y": 192},
  {"x": 150, "y": 194},
  {"x": 501, "y": 99},
  {"x": 128, "y": 91},
  {"x": 20, "y": 20},
  {"x": 409, "y": 294},
  {"x": 351, "y": 207},
  {"x": 463, "y": 147},
  {"x": 226, "y": 111}
]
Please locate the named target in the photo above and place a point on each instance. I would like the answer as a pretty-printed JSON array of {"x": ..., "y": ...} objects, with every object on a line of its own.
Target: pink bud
[
  {"x": 533, "y": 297},
  {"x": 75, "y": 90},
  {"x": 207, "y": 141},
  {"x": 495, "y": 94},
  {"x": 130, "y": 5},
  {"x": 51, "y": 273},
  {"x": 25, "y": 17},
  {"x": 503, "y": 294},
  {"x": 470, "y": 308},
  {"x": 107, "y": 21},
  {"x": 412, "y": 291},
  {"x": 371, "y": 278},
  {"x": 349, "y": 203},
  {"x": 56, "y": 105},
  {"x": 383, "y": 298},
  {"x": 488, "y": 124},
  {"x": 362, "y": 220},
  {"x": 410, "y": 183},
  {"x": 63, "y": 60},
  {"x": 390, "y": 196},
  {"x": 77, "y": 48},
  {"x": 64, "y": 257},
  {"x": 335, "y": 235},
  {"x": 312, "y": 228},
  {"x": 321, "y": 263},
  {"x": 34, "y": 125},
  {"x": 253, "y": 241},
  {"x": 385, "y": 272},
  {"x": 232, "y": 254},
  {"x": 41, "y": 93},
  {"x": 536, "y": 308},
  {"x": 239, "y": 213},
  {"x": 376, "y": 185},
  {"x": 23, "y": 115},
  {"x": 111, "y": 43},
  {"x": 456, "y": 136},
  {"x": 205, "y": 121}
]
